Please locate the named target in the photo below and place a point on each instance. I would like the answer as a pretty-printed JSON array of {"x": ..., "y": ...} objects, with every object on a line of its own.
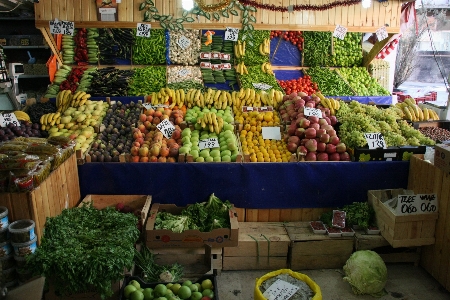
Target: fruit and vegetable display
[
  {"x": 295, "y": 37},
  {"x": 258, "y": 74},
  {"x": 256, "y": 54},
  {"x": 81, "y": 49},
  {"x": 437, "y": 134},
  {"x": 347, "y": 52},
  {"x": 110, "y": 81},
  {"x": 202, "y": 216},
  {"x": 150, "y": 50},
  {"x": 184, "y": 77},
  {"x": 115, "y": 44},
  {"x": 84, "y": 82},
  {"x": 218, "y": 99},
  {"x": 302, "y": 84},
  {"x": 329, "y": 82},
  {"x": 169, "y": 97},
  {"x": 25, "y": 128},
  {"x": 357, "y": 119},
  {"x": 147, "y": 80},
  {"x": 409, "y": 110},
  {"x": 184, "y": 55},
  {"x": 80, "y": 244},
  {"x": 361, "y": 82},
  {"x": 317, "y": 49}
]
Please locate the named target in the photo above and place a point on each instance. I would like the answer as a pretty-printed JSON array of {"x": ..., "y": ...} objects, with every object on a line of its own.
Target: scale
[{"x": 15, "y": 70}]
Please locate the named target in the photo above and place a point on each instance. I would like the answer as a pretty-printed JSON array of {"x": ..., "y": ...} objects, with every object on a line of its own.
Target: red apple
[
  {"x": 294, "y": 139},
  {"x": 325, "y": 138},
  {"x": 313, "y": 119},
  {"x": 292, "y": 147},
  {"x": 341, "y": 147},
  {"x": 322, "y": 156},
  {"x": 311, "y": 145},
  {"x": 334, "y": 157},
  {"x": 311, "y": 156},
  {"x": 344, "y": 156},
  {"x": 316, "y": 126},
  {"x": 321, "y": 147},
  {"x": 300, "y": 132},
  {"x": 331, "y": 148},
  {"x": 310, "y": 133},
  {"x": 334, "y": 140}
]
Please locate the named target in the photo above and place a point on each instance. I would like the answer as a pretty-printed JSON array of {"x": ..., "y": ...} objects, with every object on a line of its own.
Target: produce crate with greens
[
  {"x": 184, "y": 48},
  {"x": 317, "y": 49},
  {"x": 361, "y": 82},
  {"x": 147, "y": 80},
  {"x": 257, "y": 75},
  {"x": 253, "y": 55},
  {"x": 347, "y": 52},
  {"x": 151, "y": 50},
  {"x": 360, "y": 214},
  {"x": 329, "y": 82},
  {"x": 80, "y": 244}
]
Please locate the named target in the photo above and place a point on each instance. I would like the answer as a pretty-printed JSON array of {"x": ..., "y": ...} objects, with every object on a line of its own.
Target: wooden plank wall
[
  {"x": 426, "y": 178},
  {"x": 280, "y": 215},
  {"x": 354, "y": 17}
]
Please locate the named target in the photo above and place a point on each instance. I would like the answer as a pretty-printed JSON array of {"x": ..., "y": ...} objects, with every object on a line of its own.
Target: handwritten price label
[
  {"x": 231, "y": 34},
  {"x": 309, "y": 111},
  {"x": 184, "y": 42},
  {"x": 262, "y": 86},
  {"x": 61, "y": 27},
  {"x": 280, "y": 290},
  {"x": 208, "y": 143},
  {"x": 215, "y": 55},
  {"x": 205, "y": 55},
  {"x": 225, "y": 56},
  {"x": 416, "y": 204},
  {"x": 166, "y": 128},
  {"x": 340, "y": 32},
  {"x": 143, "y": 30},
  {"x": 147, "y": 105},
  {"x": 381, "y": 33},
  {"x": 5, "y": 119},
  {"x": 205, "y": 65},
  {"x": 375, "y": 140},
  {"x": 265, "y": 108},
  {"x": 248, "y": 108},
  {"x": 184, "y": 72},
  {"x": 216, "y": 66},
  {"x": 226, "y": 66}
]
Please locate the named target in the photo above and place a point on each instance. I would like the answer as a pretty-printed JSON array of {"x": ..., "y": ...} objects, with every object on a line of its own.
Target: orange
[
  {"x": 253, "y": 122},
  {"x": 247, "y": 127},
  {"x": 268, "y": 116},
  {"x": 260, "y": 159},
  {"x": 264, "y": 124}
]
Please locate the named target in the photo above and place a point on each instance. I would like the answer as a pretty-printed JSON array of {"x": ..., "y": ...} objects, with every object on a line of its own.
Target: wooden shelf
[{"x": 26, "y": 47}]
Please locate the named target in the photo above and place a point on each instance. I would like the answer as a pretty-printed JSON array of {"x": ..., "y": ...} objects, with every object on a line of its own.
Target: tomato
[{"x": 295, "y": 43}]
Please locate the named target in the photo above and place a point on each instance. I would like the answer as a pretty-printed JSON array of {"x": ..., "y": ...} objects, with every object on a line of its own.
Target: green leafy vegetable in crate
[
  {"x": 360, "y": 214},
  {"x": 147, "y": 80},
  {"x": 317, "y": 48},
  {"x": 252, "y": 55},
  {"x": 256, "y": 75},
  {"x": 347, "y": 52},
  {"x": 151, "y": 50},
  {"x": 329, "y": 82},
  {"x": 361, "y": 81}
]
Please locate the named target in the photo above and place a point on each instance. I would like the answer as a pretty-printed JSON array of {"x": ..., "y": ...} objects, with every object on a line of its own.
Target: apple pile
[{"x": 311, "y": 137}]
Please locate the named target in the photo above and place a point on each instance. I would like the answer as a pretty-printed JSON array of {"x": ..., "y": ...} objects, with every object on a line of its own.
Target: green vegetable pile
[
  {"x": 152, "y": 50},
  {"x": 186, "y": 85},
  {"x": 85, "y": 249},
  {"x": 357, "y": 119},
  {"x": 330, "y": 83},
  {"x": 347, "y": 52},
  {"x": 360, "y": 214},
  {"x": 252, "y": 55},
  {"x": 256, "y": 75},
  {"x": 147, "y": 80},
  {"x": 317, "y": 48},
  {"x": 205, "y": 216},
  {"x": 361, "y": 81}
]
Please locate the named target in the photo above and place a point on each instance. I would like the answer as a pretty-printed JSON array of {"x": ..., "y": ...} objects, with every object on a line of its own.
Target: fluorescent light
[
  {"x": 366, "y": 3},
  {"x": 187, "y": 4}
]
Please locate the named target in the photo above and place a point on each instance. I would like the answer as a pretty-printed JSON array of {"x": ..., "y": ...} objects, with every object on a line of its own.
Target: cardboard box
[
  {"x": 442, "y": 157},
  {"x": 162, "y": 238},
  {"x": 366, "y": 154}
]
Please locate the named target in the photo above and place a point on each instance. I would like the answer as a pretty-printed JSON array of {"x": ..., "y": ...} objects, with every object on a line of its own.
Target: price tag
[
  {"x": 265, "y": 108},
  {"x": 340, "y": 32},
  {"x": 55, "y": 27},
  {"x": 215, "y": 55},
  {"x": 248, "y": 108},
  {"x": 381, "y": 33},
  {"x": 225, "y": 56},
  {"x": 147, "y": 105},
  {"x": 205, "y": 65},
  {"x": 271, "y": 133},
  {"x": 205, "y": 55},
  {"x": 161, "y": 105},
  {"x": 7, "y": 118},
  {"x": 166, "y": 128},
  {"x": 208, "y": 143},
  {"x": 375, "y": 140},
  {"x": 184, "y": 72},
  {"x": 143, "y": 30},
  {"x": 416, "y": 204},
  {"x": 226, "y": 66},
  {"x": 231, "y": 34},
  {"x": 67, "y": 27},
  {"x": 280, "y": 290},
  {"x": 309, "y": 111},
  {"x": 184, "y": 42},
  {"x": 216, "y": 66},
  {"x": 261, "y": 86}
]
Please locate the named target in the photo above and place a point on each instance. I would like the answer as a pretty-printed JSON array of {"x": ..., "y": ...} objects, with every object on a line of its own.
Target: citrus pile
[{"x": 253, "y": 144}]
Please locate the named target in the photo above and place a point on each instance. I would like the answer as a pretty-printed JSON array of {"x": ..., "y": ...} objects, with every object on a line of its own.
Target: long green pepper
[
  {"x": 147, "y": 80},
  {"x": 256, "y": 75},
  {"x": 151, "y": 50}
]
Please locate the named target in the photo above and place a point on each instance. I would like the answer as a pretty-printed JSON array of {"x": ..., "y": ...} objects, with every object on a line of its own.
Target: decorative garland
[
  {"x": 301, "y": 6},
  {"x": 212, "y": 7}
]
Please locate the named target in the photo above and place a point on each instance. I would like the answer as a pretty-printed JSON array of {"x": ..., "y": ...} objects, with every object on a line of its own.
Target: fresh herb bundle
[
  {"x": 86, "y": 249},
  {"x": 359, "y": 213}
]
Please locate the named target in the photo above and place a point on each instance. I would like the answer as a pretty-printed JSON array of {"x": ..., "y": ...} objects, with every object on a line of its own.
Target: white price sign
[
  {"x": 226, "y": 66},
  {"x": 265, "y": 108},
  {"x": 205, "y": 65},
  {"x": 61, "y": 27},
  {"x": 271, "y": 133},
  {"x": 231, "y": 34},
  {"x": 7, "y": 118},
  {"x": 375, "y": 140},
  {"x": 340, "y": 32},
  {"x": 208, "y": 143},
  {"x": 216, "y": 66},
  {"x": 184, "y": 72},
  {"x": 416, "y": 204},
  {"x": 166, "y": 128},
  {"x": 184, "y": 42},
  {"x": 248, "y": 108},
  {"x": 280, "y": 290},
  {"x": 262, "y": 86},
  {"x": 143, "y": 30},
  {"x": 205, "y": 55},
  {"x": 225, "y": 56},
  {"x": 381, "y": 33},
  {"x": 310, "y": 111},
  {"x": 147, "y": 105}
]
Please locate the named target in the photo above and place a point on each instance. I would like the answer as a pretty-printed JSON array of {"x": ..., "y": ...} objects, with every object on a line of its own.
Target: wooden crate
[
  {"x": 402, "y": 231},
  {"x": 283, "y": 215},
  {"x": 261, "y": 246},
  {"x": 60, "y": 190},
  {"x": 316, "y": 251}
]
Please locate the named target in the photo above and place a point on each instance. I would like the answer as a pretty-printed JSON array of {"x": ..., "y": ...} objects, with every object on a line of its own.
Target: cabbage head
[{"x": 366, "y": 272}]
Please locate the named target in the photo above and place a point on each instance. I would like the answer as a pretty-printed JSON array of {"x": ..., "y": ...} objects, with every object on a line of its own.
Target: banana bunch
[
  {"x": 63, "y": 100},
  {"x": 415, "y": 113},
  {"x": 332, "y": 104},
  {"x": 267, "y": 68},
  {"x": 22, "y": 116},
  {"x": 165, "y": 94},
  {"x": 79, "y": 99},
  {"x": 210, "y": 98},
  {"x": 239, "y": 49},
  {"x": 210, "y": 121},
  {"x": 49, "y": 120},
  {"x": 249, "y": 97},
  {"x": 264, "y": 47},
  {"x": 241, "y": 68}
]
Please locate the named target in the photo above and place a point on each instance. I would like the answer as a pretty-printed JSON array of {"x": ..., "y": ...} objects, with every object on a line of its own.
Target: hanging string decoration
[
  {"x": 300, "y": 7},
  {"x": 212, "y": 7}
]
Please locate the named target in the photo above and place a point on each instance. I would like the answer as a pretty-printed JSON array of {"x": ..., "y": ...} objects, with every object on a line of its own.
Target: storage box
[
  {"x": 316, "y": 251},
  {"x": 60, "y": 190},
  {"x": 162, "y": 238},
  {"x": 405, "y": 152},
  {"x": 366, "y": 154},
  {"x": 262, "y": 246},
  {"x": 402, "y": 231},
  {"x": 442, "y": 157}
]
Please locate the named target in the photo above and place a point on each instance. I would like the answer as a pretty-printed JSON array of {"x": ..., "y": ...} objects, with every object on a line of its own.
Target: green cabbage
[{"x": 366, "y": 272}]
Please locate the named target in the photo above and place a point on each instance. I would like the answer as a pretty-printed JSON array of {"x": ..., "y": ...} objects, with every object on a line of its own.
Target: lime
[
  {"x": 148, "y": 294},
  {"x": 199, "y": 286},
  {"x": 194, "y": 288},
  {"x": 169, "y": 285},
  {"x": 208, "y": 293},
  {"x": 128, "y": 290},
  {"x": 135, "y": 283},
  {"x": 207, "y": 284},
  {"x": 136, "y": 295},
  {"x": 160, "y": 290},
  {"x": 184, "y": 292},
  {"x": 196, "y": 296},
  {"x": 175, "y": 288},
  {"x": 168, "y": 293},
  {"x": 187, "y": 283}
]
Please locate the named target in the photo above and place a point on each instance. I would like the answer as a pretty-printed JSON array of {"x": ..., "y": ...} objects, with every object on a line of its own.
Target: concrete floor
[{"x": 405, "y": 282}]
